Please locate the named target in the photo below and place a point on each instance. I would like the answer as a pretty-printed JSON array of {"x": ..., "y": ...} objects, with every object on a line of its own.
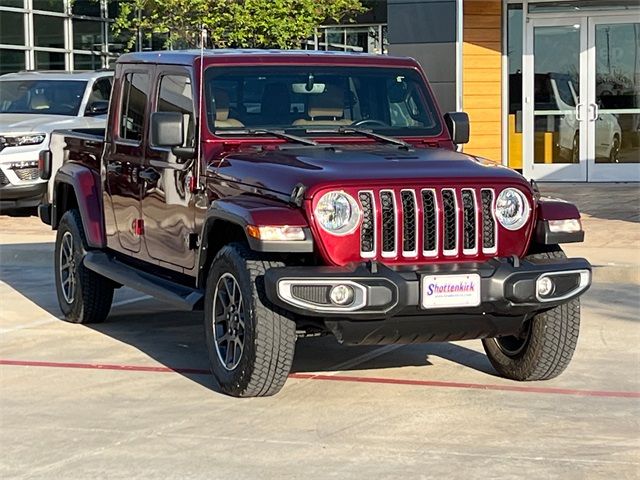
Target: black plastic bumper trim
[{"x": 505, "y": 289}]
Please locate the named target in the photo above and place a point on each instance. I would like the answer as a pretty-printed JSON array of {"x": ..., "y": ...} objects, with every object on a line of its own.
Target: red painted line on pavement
[
  {"x": 342, "y": 378},
  {"x": 103, "y": 366}
]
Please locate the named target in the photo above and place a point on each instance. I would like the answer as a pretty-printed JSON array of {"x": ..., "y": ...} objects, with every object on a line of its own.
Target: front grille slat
[
  {"x": 368, "y": 228},
  {"x": 449, "y": 222},
  {"x": 388, "y": 210},
  {"x": 29, "y": 173},
  {"x": 469, "y": 232},
  {"x": 427, "y": 223},
  {"x": 488, "y": 222},
  {"x": 409, "y": 223}
]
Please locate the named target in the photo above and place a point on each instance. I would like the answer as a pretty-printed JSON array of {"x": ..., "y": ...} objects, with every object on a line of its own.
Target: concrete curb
[{"x": 629, "y": 274}]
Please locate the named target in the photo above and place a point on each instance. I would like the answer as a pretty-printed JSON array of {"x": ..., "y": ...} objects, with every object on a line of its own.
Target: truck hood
[
  {"x": 281, "y": 170},
  {"x": 30, "y": 122}
]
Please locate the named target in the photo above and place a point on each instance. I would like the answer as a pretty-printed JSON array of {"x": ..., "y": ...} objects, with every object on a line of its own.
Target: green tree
[{"x": 231, "y": 23}]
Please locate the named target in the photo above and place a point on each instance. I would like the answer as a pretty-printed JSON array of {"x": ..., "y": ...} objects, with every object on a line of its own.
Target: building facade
[{"x": 552, "y": 87}]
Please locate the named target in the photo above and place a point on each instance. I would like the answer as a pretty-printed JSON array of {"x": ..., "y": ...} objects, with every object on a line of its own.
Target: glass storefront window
[
  {"x": 86, "y": 62},
  {"x": 577, "y": 6},
  {"x": 49, "y": 5},
  {"x": 514, "y": 82},
  {"x": 87, "y": 35},
  {"x": 50, "y": 60},
  {"x": 48, "y": 31},
  {"x": 12, "y": 28},
  {"x": 12, "y": 3},
  {"x": 89, "y": 8},
  {"x": 11, "y": 60},
  {"x": 556, "y": 94},
  {"x": 617, "y": 126}
]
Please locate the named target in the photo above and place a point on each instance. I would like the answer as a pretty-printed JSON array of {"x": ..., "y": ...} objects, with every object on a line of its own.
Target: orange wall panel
[{"x": 482, "y": 76}]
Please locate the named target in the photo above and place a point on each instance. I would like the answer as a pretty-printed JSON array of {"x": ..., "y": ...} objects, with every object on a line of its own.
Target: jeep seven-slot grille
[{"x": 430, "y": 222}]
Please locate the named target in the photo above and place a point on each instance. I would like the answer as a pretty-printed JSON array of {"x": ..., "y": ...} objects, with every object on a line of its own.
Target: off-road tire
[
  {"x": 94, "y": 293},
  {"x": 551, "y": 341},
  {"x": 269, "y": 337}
]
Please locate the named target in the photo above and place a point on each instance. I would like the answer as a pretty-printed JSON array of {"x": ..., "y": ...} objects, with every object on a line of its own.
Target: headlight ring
[
  {"x": 337, "y": 213},
  {"x": 512, "y": 209}
]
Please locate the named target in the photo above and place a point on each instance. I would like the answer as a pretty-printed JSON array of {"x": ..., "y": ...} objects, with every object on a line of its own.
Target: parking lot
[{"x": 131, "y": 398}]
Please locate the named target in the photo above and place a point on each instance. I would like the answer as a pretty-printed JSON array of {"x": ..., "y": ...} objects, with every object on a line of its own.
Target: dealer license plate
[{"x": 446, "y": 291}]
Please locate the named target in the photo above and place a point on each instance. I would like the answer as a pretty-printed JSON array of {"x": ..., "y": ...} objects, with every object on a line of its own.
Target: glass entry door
[
  {"x": 555, "y": 112},
  {"x": 614, "y": 98},
  {"x": 581, "y": 101}
]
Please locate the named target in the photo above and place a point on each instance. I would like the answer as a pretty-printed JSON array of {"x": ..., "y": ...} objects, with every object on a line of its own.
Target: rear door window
[{"x": 135, "y": 92}]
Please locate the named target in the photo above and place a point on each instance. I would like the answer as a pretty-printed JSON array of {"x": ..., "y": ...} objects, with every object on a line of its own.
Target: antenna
[{"x": 203, "y": 38}]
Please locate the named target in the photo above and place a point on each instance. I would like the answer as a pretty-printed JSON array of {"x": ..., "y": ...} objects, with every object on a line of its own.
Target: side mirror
[
  {"x": 166, "y": 129},
  {"x": 99, "y": 107},
  {"x": 458, "y": 126}
]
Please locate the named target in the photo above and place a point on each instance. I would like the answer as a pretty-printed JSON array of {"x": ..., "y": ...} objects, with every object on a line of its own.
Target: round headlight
[
  {"x": 337, "y": 213},
  {"x": 512, "y": 209}
]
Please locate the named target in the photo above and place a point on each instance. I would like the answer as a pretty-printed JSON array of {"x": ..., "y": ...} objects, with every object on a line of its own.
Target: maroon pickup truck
[{"x": 295, "y": 193}]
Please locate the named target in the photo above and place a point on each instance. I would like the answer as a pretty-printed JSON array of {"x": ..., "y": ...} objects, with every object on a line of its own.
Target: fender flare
[
  {"x": 555, "y": 209},
  {"x": 85, "y": 184},
  {"x": 244, "y": 210}
]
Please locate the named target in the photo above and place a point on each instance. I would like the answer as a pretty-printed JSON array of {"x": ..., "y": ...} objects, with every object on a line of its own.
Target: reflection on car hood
[
  {"x": 280, "y": 170},
  {"x": 30, "y": 122}
]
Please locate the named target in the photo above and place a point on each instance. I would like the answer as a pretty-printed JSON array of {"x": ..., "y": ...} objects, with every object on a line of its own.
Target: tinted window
[
  {"x": 51, "y": 97},
  {"x": 135, "y": 89},
  {"x": 175, "y": 96},
  {"x": 101, "y": 89},
  {"x": 303, "y": 97}
]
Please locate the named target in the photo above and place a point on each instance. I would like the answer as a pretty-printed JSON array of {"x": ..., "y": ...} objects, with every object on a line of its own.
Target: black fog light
[{"x": 341, "y": 295}]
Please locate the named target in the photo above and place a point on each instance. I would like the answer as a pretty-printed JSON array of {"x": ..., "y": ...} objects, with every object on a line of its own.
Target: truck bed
[{"x": 80, "y": 145}]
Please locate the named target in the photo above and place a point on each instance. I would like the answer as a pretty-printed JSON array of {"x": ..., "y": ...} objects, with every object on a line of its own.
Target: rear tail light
[{"x": 44, "y": 164}]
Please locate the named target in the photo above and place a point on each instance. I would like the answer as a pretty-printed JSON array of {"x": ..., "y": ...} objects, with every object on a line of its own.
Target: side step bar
[{"x": 177, "y": 295}]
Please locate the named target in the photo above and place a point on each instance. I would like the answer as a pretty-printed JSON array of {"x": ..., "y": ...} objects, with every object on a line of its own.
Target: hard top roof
[
  {"x": 55, "y": 75},
  {"x": 187, "y": 57}
]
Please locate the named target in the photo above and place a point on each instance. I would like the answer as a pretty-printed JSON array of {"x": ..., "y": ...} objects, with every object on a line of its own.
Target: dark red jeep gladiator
[{"x": 296, "y": 193}]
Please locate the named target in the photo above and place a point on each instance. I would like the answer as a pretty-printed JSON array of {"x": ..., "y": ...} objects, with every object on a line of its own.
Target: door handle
[
  {"x": 596, "y": 111},
  {"x": 149, "y": 175},
  {"x": 114, "y": 168},
  {"x": 578, "y": 110}
]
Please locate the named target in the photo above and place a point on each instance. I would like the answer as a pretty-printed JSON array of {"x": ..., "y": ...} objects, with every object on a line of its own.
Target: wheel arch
[
  {"x": 77, "y": 186},
  {"x": 227, "y": 220}
]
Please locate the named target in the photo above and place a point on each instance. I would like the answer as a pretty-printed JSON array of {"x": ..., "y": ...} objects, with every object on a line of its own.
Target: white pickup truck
[{"x": 32, "y": 105}]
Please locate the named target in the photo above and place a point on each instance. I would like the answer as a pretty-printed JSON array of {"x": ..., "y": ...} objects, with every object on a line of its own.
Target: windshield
[
  {"x": 309, "y": 100},
  {"x": 49, "y": 97}
]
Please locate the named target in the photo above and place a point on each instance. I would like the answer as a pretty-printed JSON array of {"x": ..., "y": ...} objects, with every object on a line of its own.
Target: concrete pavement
[
  {"x": 131, "y": 398},
  {"x": 611, "y": 221}
]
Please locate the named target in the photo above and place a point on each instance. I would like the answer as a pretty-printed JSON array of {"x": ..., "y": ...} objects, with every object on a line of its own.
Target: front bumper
[
  {"x": 508, "y": 296},
  {"x": 23, "y": 195}
]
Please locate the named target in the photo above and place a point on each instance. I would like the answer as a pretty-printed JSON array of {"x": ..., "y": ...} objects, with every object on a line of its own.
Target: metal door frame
[{"x": 561, "y": 171}]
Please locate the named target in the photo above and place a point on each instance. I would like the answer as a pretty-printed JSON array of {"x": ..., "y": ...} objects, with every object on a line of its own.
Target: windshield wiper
[
  {"x": 364, "y": 132},
  {"x": 267, "y": 131}
]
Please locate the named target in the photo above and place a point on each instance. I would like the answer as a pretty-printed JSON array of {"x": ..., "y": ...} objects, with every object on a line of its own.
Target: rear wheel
[
  {"x": 250, "y": 345},
  {"x": 545, "y": 346},
  {"x": 83, "y": 295}
]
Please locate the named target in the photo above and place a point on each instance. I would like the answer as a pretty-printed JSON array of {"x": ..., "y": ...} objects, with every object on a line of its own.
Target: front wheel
[
  {"x": 83, "y": 295},
  {"x": 544, "y": 347},
  {"x": 250, "y": 345}
]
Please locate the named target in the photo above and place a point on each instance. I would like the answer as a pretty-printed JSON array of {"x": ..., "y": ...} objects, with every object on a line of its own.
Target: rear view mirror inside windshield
[{"x": 316, "y": 88}]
